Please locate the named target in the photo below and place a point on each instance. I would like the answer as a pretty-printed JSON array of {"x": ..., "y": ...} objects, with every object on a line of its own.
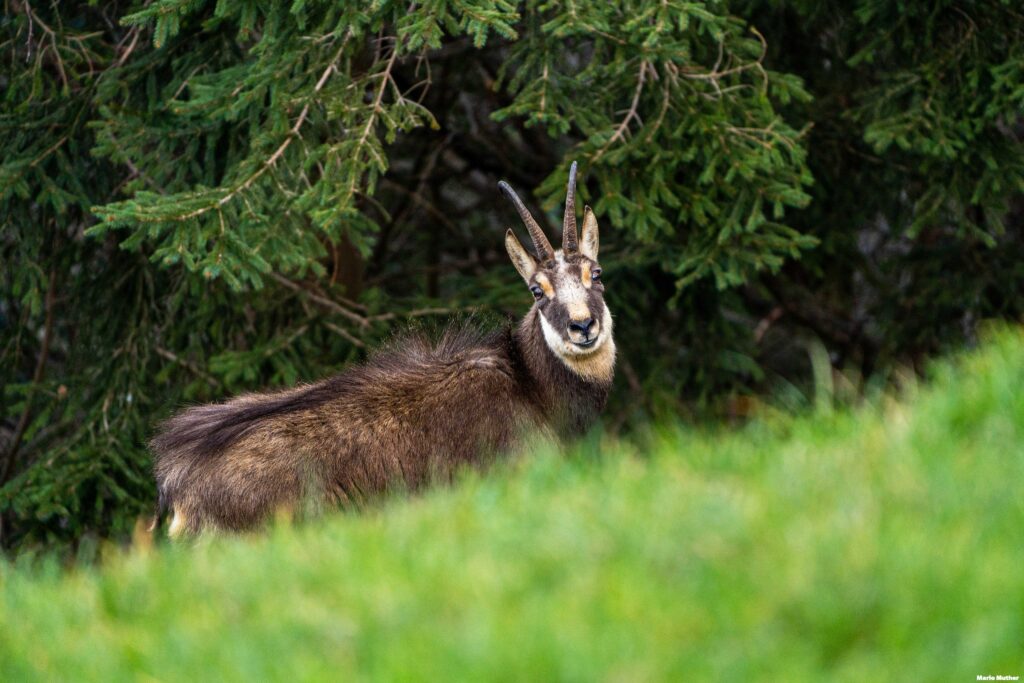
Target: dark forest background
[{"x": 198, "y": 199}]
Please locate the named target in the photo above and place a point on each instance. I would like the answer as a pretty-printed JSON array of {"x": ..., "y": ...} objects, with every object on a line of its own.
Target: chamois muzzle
[
  {"x": 582, "y": 326},
  {"x": 583, "y": 333}
]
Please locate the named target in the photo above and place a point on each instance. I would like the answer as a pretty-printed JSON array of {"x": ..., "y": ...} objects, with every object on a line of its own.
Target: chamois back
[{"x": 415, "y": 411}]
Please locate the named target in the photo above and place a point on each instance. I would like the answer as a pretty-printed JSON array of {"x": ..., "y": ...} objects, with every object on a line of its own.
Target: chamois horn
[
  {"x": 570, "y": 242},
  {"x": 540, "y": 242}
]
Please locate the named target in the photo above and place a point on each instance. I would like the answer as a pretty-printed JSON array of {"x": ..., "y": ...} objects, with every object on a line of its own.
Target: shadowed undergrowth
[{"x": 857, "y": 545}]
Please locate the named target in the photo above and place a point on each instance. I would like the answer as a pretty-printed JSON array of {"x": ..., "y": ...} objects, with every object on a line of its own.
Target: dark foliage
[{"x": 198, "y": 199}]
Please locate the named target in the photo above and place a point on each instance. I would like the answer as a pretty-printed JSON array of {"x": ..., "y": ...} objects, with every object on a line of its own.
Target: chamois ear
[
  {"x": 523, "y": 260},
  {"x": 590, "y": 242}
]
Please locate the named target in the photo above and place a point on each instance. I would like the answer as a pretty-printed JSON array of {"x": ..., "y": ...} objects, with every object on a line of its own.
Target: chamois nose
[{"x": 582, "y": 326}]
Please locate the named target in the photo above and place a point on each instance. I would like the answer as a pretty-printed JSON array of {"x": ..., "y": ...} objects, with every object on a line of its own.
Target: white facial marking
[
  {"x": 596, "y": 363},
  {"x": 589, "y": 241},
  {"x": 573, "y": 296},
  {"x": 564, "y": 348}
]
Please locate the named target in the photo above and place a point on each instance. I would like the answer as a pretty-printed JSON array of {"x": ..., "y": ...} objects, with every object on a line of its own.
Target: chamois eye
[
  {"x": 537, "y": 291},
  {"x": 595, "y": 274}
]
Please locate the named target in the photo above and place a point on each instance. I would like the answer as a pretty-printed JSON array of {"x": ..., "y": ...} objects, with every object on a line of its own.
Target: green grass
[{"x": 880, "y": 544}]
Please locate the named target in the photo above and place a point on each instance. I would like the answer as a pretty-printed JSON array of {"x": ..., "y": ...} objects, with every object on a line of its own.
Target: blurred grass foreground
[{"x": 881, "y": 543}]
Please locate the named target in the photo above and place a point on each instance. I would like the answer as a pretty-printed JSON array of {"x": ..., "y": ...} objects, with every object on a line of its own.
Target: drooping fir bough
[
  {"x": 198, "y": 199},
  {"x": 413, "y": 413}
]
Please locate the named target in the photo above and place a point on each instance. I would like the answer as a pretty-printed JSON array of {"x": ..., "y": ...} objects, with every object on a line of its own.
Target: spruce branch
[
  {"x": 273, "y": 158},
  {"x": 715, "y": 75},
  {"x": 385, "y": 80},
  {"x": 51, "y": 34},
  {"x": 631, "y": 114},
  {"x": 37, "y": 377}
]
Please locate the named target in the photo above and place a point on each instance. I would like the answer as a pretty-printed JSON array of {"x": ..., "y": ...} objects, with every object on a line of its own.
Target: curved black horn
[
  {"x": 540, "y": 242},
  {"x": 570, "y": 242}
]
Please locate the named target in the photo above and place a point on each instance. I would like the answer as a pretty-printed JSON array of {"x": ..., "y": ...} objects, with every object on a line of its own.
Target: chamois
[{"x": 412, "y": 413}]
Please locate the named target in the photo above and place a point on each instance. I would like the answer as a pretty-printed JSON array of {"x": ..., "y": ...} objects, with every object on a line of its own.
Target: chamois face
[
  {"x": 569, "y": 297},
  {"x": 567, "y": 288}
]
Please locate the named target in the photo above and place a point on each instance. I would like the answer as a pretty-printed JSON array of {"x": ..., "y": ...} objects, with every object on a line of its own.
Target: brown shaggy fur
[{"x": 413, "y": 414}]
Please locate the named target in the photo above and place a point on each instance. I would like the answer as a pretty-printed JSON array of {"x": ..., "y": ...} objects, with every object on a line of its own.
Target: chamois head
[{"x": 566, "y": 284}]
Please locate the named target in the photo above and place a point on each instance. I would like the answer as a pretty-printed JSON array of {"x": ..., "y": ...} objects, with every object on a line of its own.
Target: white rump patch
[{"x": 177, "y": 524}]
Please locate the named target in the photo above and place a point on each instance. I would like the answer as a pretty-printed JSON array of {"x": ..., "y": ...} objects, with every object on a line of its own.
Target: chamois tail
[{"x": 204, "y": 432}]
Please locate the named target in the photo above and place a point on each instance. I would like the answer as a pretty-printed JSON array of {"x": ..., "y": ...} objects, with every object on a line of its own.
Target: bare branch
[
  {"x": 345, "y": 334},
  {"x": 188, "y": 365},
  {"x": 360, "y": 320},
  {"x": 135, "y": 33}
]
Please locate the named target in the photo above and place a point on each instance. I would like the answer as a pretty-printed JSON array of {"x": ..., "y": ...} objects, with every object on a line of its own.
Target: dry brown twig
[{"x": 360, "y": 320}]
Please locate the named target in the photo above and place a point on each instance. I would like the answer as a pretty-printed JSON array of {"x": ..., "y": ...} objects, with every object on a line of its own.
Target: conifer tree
[{"x": 201, "y": 198}]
